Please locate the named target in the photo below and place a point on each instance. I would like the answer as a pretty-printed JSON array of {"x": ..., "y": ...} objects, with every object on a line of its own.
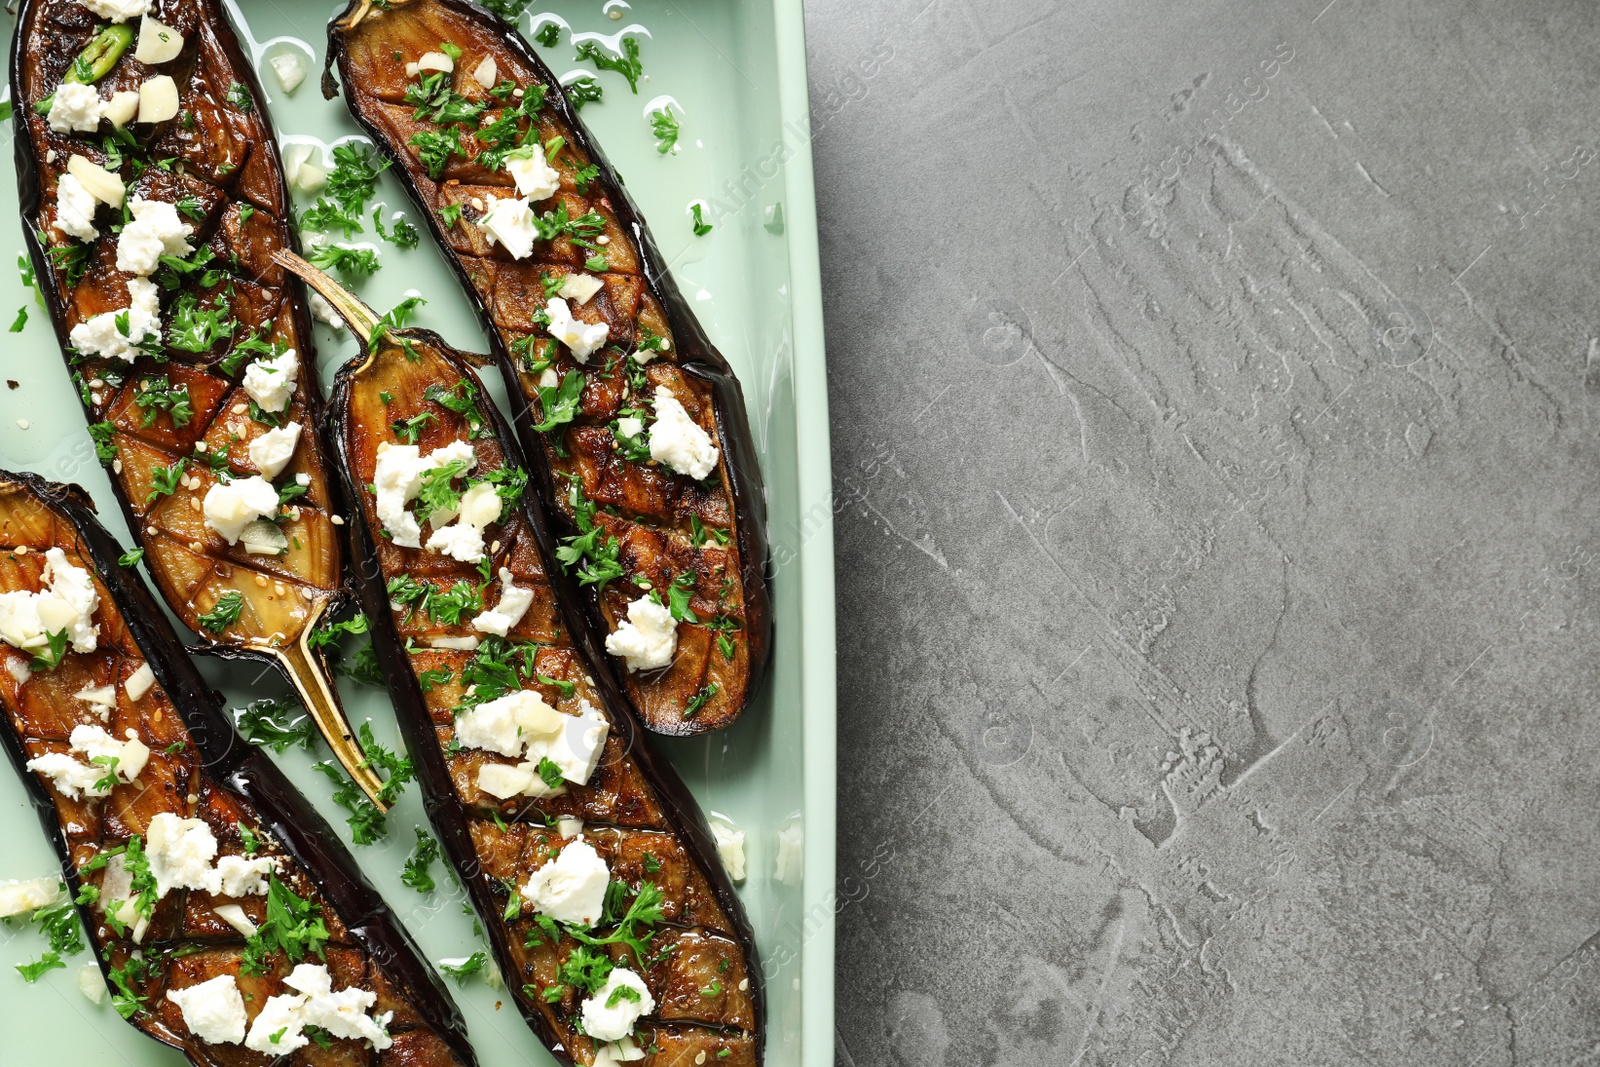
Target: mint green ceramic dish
[{"x": 736, "y": 75}]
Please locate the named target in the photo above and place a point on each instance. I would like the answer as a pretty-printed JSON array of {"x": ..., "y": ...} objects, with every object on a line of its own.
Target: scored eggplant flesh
[
  {"x": 173, "y": 407},
  {"x": 136, "y": 687},
  {"x": 691, "y": 541},
  {"x": 465, "y": 641}
]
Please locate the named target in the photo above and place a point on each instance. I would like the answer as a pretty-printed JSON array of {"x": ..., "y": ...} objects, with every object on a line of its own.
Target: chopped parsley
[
  {"x": 294, "y": 926},
  {"x": 102, "y": 433},
  {"x": 699, "y": 700},
  {"x": 584, "y": 89},
  {"x": 156, "y": 394},
  {"x": 468, "y": 967},
  {"x": 559, "y": 403},
  {"x": 367, "y": 823},
  {"x": 665, "y": 125},
  {"x": 417, "y": 872},
  {"x": 627, "y": 64},
  {"x": 224, "y": 613},
  {"x": 350, "y": 262},
  {"x": 701, "y": 226},
  {"x": 402, "y": 235},
  {"x": 594, "y": 553},
  {"x": 130, "y": 558},
  {"x": 164, "y": 480},
  {"x": 240, "y": 97},
  {"x": 268, "y": 722},
  {"x": 549, "y": 34},
  {"x": 21, "y": 319},
  {"x": 354, "y": 177}
]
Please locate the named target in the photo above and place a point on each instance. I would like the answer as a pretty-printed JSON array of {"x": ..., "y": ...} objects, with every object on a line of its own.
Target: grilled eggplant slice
[
  {"x": 527, "y": 756},
  {"x": 152, "y": 242},
  {"x": 643, "y": 469},
  {"x": 182, "y": 815}
]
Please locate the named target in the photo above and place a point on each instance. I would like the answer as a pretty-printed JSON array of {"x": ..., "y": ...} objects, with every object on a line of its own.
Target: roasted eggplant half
[
  {"x": 644, "y": 475},
  {"x": 153, "y": 199},
  {"x": 589, "y": 864},
  {"x": 226, "y": 918}
]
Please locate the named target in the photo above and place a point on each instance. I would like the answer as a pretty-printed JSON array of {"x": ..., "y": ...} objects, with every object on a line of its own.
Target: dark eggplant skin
[
  {"x": 236, "y": 767},
  {"x": 450, "y": 816},
  {"x": 697, "y": 358},
  {"x": 259, "y": 181}
]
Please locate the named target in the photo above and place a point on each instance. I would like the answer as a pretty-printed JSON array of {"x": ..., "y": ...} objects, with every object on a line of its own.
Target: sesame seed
[
  {"x": 200, "y": 446},
  {"x": 194, "y": 503},
  {"x": 22, "y": 424},
  {"x": 279, "y": 588},
  {"x": 22, "y": 550},
  {"x": 240, "y": 409},
  {"x": 97, "y": 383},
  {"x": 261, "y": 580},
  {"x": 194, "y": 546},
  {"x": 337, "y": 520},
  {"x": 602, "y": 240}
]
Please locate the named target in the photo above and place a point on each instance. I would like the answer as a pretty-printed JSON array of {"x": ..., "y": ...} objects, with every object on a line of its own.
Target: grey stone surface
[{"x": 1215, "y": 390}]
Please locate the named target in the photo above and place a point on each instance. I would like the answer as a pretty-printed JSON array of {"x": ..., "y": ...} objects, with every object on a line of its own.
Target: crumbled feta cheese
[
  {"x": 65, "y": 604},
  {"x": 101, "y": 335},
  {"x": 93, "y": 741},
  {"x": 503, "y": 781},
  {"x": 290, "y": 69},
  {"x": 647, "y": 638},
  {"x": 580, "y": 288},
  {"x": 272, "y": 451},
  {"x": 397, "y": 479},
  {"x": 730, "y": 848},
  {"x": 788, "y": 865},
  {"x": 514, "y": 604},
  {"x": 180, "y": 852},
  {"x": 510, "y": 223},
  {"x": 577, "y": 748},
  {"x": 627, "y": 1050},
  {"x": 18, "y": 898},
  {"x": 155, "y": 231},
  {"x": 120, "y": 109},
  {"x": 536, "y": 179},
  {"x": 629, "y": 426},
  {"x": 243, "y": 876},
  {"x": 463, "y": 540},
  {"x": 678, "y": 441},
  {"x": 75, "y": 207},
  {"x": 611, "y": 1018},
  {"x": 213, "y": 1010},
  {"x": 75, "y": 109},
  {"x": 235, "y": 916},
  {"x": 324, "y": 312},
  {"x": 139, "y": 683},
  {"x": 70, "y": 777},
  {"x": 230, "y": 507},
  {"x": 18, "y": 668},
  {"x": 343, "y": 1014},
  {"x": 117, "y": 10},
  {"x": 567, "y": 826},
  {"x": 91, "y": 983},
  {"x": 487, "y": 72},
  {"x": 270, "y": 382},
  {"x": 570, "y": 888},
  {"x": 507, "y": 724},
  {"x": 581, "y": 338}
]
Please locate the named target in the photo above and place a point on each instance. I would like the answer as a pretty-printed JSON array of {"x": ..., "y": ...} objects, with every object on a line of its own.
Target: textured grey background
[{"x": 1215, "y": 390}]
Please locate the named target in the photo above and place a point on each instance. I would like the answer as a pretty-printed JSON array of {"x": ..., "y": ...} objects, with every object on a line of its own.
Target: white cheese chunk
[
  {"x": 570, "y": 888},
  {"x": 95, "y": 744},
  {"x": 324, "y": 312},
  {"x": 397, "y": 479},
  {"x": 75, "y": 208},
  {"x": 580, "y": 288},
  {"x": 102, "y": 335},
  {"x": 70, "y": 777},
  {"x": 75, "y": 109},
  {"x": 503, "y": 781},
  {"x": 678, "y": 441},
  {"x": 290, "y": 70},
  {"x": 788, "y": 866},
  {"x": 457, "y": 644},
  {"x": 611, "y": 1018},
  {"x": 280, "y": 1018},
  {"x": 272, "y": 451},
  {"x": 158, "y": 42},
  {"x": 509, "y": 223},
  {"x": 139, "y": 683},
  {"x": 213, "y": 1010},
  {"x": 730, "y": 848},
  {"x": 536, "y": 179},
  {"x": 19, "y": 898},
  {"x": 117, "y": 10},
  {"x": 581, "y": 338},
  {"x": 577, "y": 748},
  {"x": 180, "y": 852},
  {"x": 436, "y": 61},
  {"x": 235, "y": 916},
  {"x": 463, "y": 540},
  {"x": 66, "y": 603},
  {"x": 647, "y": 638},
  {"x": 270, "y": 382},
  {"x": 504, "y": 616},
  {"x": 507, "y": 724},
  {"x": 231, "y": 507},
  {"x": 630, "y": 426},
  {"x": 243, "y": 876},
  {"x": 100, "y": 698},
  {"x": 155, "y": 231},
  {"x": 342, "y": 1013}
]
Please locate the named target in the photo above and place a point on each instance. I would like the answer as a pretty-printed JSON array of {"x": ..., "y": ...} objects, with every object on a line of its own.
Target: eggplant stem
[
  {"x": 320, "y": 700},
  {"x": 361, "y": 320}
]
